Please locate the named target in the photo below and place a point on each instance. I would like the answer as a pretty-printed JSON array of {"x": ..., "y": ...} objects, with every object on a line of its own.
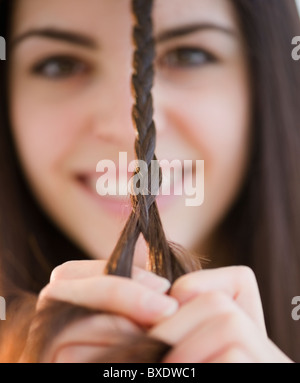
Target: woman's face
[{"x": 71, "y": 103}]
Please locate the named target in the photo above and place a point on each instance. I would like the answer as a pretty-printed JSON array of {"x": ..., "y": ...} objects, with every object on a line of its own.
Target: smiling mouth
[{"x": 114, "y": 194}]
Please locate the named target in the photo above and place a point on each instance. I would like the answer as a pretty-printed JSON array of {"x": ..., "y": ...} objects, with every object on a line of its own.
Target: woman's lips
[{"x": 120, "y": 203}]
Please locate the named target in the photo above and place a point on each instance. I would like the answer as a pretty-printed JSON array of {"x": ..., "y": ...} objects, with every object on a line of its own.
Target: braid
[{"x": 144, "y": 218}]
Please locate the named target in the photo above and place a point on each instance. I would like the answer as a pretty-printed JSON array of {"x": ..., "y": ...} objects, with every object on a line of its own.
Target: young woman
[{"x": 226, "y": 91}]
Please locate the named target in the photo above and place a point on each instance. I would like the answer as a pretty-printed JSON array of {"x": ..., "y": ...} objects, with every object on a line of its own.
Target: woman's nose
[{"x": 111, "y": 115}]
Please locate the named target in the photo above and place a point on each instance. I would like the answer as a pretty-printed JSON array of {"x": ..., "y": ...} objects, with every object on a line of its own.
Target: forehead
[
  {"x": 92, "y": 16},
  {"x": 170, "y": 12},
  {"x": 112, "y": 16}
]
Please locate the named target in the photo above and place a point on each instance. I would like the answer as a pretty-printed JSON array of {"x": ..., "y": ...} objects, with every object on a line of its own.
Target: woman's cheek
[
  {"x": 219, "y": 136},
  {"x": 44, "y": 134}
]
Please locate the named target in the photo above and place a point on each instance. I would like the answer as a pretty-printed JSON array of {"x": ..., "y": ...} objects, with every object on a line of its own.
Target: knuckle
[
  {"x": 61, "y": 271},
  {"x": 47, "y": 291},
  {"x": 44, "y": 296},
  {"x": 44, "y": 292},
  {"x": 245, "y": 274},
  {"x": 178, "y": 283}
]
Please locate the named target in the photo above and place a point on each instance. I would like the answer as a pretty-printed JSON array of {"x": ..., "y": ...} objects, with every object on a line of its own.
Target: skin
[
  {"x": 219, "y": 317},
  {"x": 71, "y": 123},
  {"x": 64, "y": 125}
]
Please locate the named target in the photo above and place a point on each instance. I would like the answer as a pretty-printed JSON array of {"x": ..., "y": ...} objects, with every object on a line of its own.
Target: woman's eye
[
  {"x": 186, "y": 58},
  {"x": 60, "y": 68}
]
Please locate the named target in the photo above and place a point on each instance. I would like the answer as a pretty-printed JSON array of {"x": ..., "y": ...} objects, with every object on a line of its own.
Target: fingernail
[
  {"x": 161, "y": 305},
  {"x": 153, "y": 281}
]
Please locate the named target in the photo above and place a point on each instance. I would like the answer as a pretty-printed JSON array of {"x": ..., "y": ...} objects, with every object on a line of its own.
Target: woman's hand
[
  {"x": 220, "y": 320},
  {"x": 83, "y": 283},
  {"x": 122, "y": 304}
]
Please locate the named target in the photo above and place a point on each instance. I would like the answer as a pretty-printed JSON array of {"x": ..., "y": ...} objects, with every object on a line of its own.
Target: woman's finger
[
  {"x": 78, "y": 353},
  {"x": 95, "y": 268},
  {"x": 232, "y": 355},
  {"x": 227, "y": 335},
  {"x": 238, "y": 282},
  {"x": 212, "y": 337},
  {"x": 211, "y": 326},
  {"x": 217, "y": 337},
  {"x": 189, "y": 316},
  {"x": 78, "y": 270},
  {"x": 89, "y": 337},
  {"x": 113, "y": 294}
]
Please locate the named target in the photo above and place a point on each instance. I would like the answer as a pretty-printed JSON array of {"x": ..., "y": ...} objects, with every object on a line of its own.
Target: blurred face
[{"x": 71, "y": 103}]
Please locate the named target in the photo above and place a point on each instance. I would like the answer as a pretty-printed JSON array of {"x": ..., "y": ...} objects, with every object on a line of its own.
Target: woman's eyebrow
[
  {"x": 188, "y": 29},
  {"x": 56, "y": 34}
]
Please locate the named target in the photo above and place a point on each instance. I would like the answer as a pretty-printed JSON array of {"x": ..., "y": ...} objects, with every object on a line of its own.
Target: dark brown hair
[
  {"x": 261, "y": 227},
  {"x": 165, "y": 259}
]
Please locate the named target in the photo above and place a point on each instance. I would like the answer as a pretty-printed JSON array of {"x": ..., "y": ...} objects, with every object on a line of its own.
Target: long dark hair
[{"x": 261, "y": 228}]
